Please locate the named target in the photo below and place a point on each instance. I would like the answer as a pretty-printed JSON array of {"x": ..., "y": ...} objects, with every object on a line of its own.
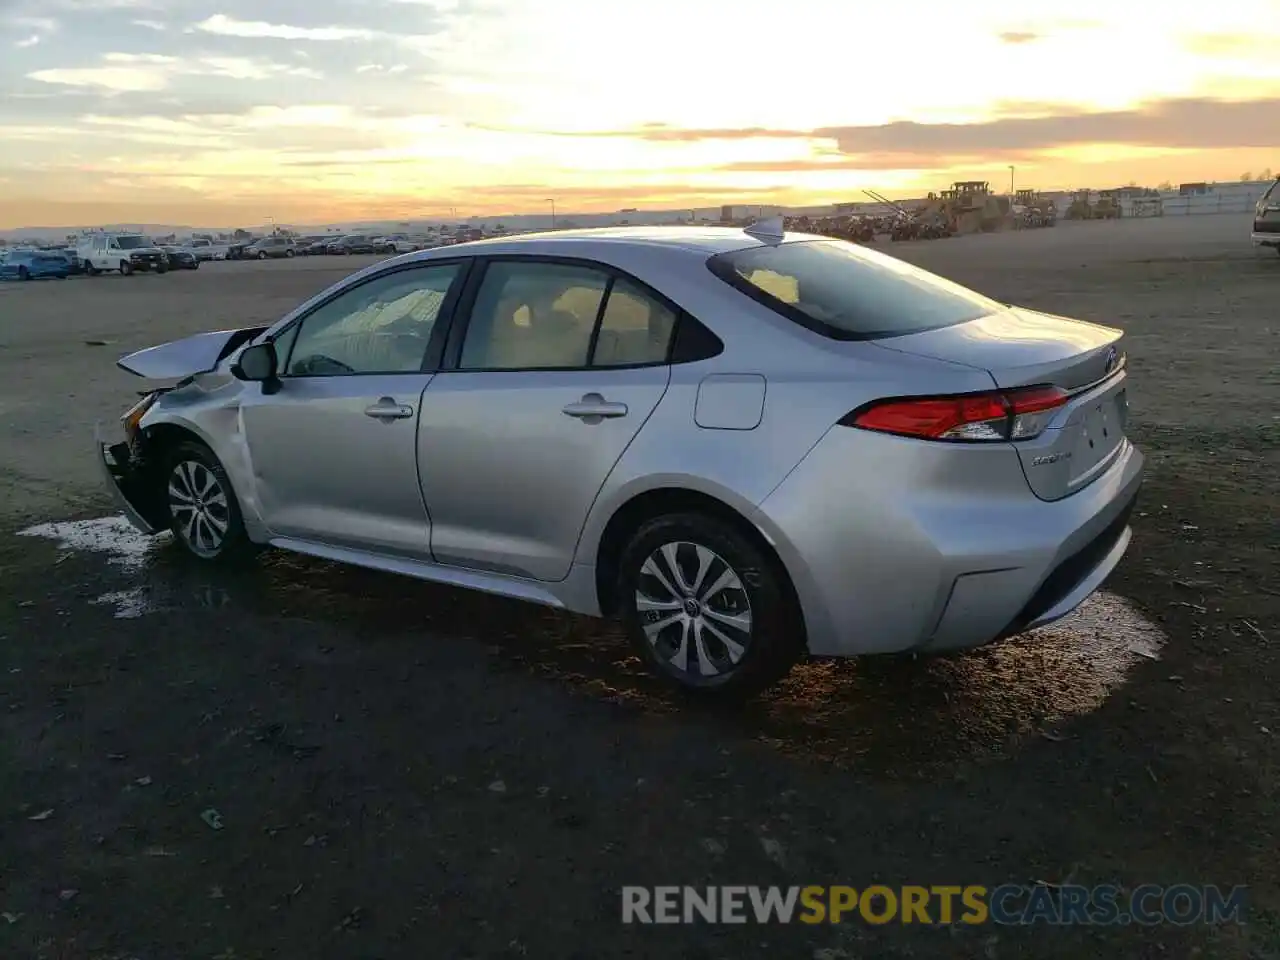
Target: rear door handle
[
  {"x": 593, "y": 408},
  {"x": 387, "y": 409}
]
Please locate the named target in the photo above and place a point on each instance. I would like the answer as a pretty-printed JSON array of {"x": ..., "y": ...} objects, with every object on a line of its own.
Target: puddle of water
[
  {"x": 129, "y": 604},
  {"x": 116, "y": 537}
]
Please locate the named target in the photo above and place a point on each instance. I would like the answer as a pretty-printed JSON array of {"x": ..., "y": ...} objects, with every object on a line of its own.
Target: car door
[
  {"x": 332, "y": 442},
  {"x": 557, "y": 368}
]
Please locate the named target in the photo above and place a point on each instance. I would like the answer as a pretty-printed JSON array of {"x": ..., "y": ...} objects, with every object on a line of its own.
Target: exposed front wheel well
[
  {"x": 153, "y": 456},
  {"x": 642, "y": 508}
]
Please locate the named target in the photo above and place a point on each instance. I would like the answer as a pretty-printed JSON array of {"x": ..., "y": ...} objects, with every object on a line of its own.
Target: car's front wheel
[
  {"x": 203, "y": 512},
  {"x": 707, "y": 608},
  {"x": 125, "y": 268}
]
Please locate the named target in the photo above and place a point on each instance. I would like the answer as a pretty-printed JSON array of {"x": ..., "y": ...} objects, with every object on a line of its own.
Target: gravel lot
[{"x": 402, "y": 770}]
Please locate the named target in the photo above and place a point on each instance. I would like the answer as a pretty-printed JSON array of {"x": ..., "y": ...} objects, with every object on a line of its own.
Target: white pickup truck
[{"x": 126, "y": 252}]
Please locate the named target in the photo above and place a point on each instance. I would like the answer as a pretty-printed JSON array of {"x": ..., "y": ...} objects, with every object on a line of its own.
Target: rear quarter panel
[{"x": 811, "y": 382}]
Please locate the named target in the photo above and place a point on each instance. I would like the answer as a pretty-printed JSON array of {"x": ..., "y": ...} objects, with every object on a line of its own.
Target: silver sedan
[{"x": 750, "y": 446}]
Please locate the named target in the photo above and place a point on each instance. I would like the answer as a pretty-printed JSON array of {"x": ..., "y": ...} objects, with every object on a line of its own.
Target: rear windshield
[
  {"x": 1270, "y": 190},
  {"x": 848, "y": 292}
]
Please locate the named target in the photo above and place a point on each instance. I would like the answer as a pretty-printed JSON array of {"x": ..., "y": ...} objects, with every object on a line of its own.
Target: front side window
[
  {"x": 382, "y": 326},
  {"x": 530, "y": 316},
  {"x": 848, "y": 292}
]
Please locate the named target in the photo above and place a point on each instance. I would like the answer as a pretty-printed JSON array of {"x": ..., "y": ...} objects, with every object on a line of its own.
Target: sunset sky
[{"x": 227, "y": 112}]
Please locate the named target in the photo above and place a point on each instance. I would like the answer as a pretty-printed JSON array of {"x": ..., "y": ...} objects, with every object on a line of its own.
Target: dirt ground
[{"x": 402, "y": 770}]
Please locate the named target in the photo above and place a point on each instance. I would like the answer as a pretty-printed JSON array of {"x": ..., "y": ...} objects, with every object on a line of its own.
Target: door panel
[
  {"x": 509, "y": 475},
  {"x": 333, "y": 442},
  {"x": 325, "y": 469}
]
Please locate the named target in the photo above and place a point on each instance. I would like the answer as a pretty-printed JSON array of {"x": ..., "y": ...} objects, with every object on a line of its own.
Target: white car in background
[
  {"x": 207, "y": 249},
  {"x": 396, "y": 243}
]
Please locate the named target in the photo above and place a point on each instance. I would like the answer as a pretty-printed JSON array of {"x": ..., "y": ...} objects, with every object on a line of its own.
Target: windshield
[
  {"x": 848, "y": 292},
  {"x": 132, "y": 243}
]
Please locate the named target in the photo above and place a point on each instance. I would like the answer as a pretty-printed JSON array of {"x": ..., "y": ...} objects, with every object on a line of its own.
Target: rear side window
[{"x": 847, "y": 292}]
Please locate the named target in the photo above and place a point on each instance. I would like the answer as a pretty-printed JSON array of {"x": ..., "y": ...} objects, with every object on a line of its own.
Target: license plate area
[{"x": 1101, "y": 430}]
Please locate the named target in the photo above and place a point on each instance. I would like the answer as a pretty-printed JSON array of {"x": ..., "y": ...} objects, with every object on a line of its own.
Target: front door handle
[
  {"x": 593, "y": 408},
  {"x": 387, "y": 409}
]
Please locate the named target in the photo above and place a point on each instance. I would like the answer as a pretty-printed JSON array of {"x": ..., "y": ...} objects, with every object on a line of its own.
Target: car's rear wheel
[
  {"x": 288, "y": 253},
  {"x": 262, "y": 254},
  {"x": 202, "y": 508},
  {"x": 24, "y": 273},
  {"x": 707, "y": 608}
]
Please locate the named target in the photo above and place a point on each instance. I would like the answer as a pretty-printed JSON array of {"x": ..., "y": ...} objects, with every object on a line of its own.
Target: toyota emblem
[{"x": 1113, "y": 358}]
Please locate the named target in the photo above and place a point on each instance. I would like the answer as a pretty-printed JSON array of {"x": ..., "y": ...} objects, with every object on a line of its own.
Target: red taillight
[{"x": 1000, "y": 415}]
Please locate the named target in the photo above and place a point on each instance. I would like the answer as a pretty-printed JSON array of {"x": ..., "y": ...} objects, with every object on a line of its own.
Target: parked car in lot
[
  {"x": 205, "y": 250},
  {"x": 181, "y": 258},
  {"x": 73, "y": 259},
  {"x": 748, "y": 445},
  {"x": 351, "y": 244},
  {"x": 33, "y": 265},
  {"x": 310, "y": 246},
  {"x": 395, "y": 243},
  {"x": 271, "y": 248},
  {"x": 126, "y": 252},
  {"x": 1266, "y": 219},
  {"x": 236, "y": 251}
]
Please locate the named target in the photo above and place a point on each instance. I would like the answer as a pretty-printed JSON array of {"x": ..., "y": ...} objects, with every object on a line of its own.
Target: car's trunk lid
[{"x": 1019, "y": 348}]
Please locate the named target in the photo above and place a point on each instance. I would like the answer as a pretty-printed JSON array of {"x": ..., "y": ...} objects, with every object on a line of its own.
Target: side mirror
[{"x": 256, "y": 363}]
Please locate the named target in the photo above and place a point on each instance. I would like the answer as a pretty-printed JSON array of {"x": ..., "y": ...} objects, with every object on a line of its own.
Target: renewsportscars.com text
[{"x": 1007, "y": 904}]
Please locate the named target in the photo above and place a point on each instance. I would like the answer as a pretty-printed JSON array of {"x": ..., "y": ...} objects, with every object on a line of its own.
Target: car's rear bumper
[
  {"x": 1266, "y": 239},
  {"x": 900, "y": 545},
  {"x": 122, "y": 481}
]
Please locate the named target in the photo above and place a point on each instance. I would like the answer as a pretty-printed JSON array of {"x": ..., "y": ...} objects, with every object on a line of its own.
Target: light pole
[
  {"x": 1011, "y": 190},
  {"x": 552, "y": 201}
]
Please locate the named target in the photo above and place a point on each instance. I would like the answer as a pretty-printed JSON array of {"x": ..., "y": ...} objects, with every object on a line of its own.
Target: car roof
[{"x": 700, "y": 242}]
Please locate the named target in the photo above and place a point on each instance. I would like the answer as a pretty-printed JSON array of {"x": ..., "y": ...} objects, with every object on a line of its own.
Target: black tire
[
  {"x": 288, "y": 253},
  {"x": 24, "y": 273},
  {"x": 125, "y": 268},
  {"x": 161, "y": 268},
  {"x": 196, "y": 265},
  {"x": 262, "y": 254},
  {"x": 187, "y": 467},
  {"x": 757, "y": 593},
  {"x": 90, "y": 270}
]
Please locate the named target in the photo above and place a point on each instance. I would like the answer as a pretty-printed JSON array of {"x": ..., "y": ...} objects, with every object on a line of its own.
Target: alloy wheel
[
  {"x": 694, "y": 610},
  {"x": 199, "y": 505}
]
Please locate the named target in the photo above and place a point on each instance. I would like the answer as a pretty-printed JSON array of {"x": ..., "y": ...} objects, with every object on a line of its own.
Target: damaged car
[{"x": 750, "y": 446}]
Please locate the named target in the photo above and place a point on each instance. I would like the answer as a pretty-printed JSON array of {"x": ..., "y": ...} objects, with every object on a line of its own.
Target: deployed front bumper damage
[{"x": 124, "y": 480}]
